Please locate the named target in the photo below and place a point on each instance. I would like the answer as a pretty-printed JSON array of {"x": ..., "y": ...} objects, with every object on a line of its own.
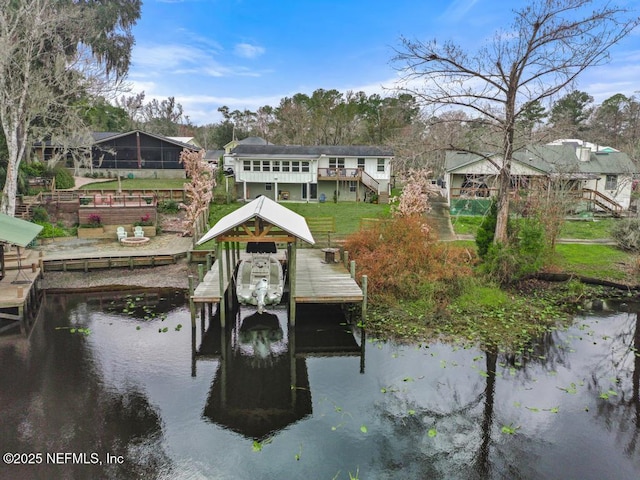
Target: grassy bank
[{"x": 485, "y": 314}]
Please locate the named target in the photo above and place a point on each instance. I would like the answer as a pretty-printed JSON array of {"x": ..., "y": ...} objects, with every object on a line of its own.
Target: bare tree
[
  {"x": 550, "y": 44},
  {"x": 51, "y": 54}
]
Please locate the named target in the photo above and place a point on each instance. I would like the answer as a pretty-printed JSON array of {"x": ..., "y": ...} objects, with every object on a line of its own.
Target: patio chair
[
  {"x": 138, "y": 232},
  {"x": 122, "y": 233}
]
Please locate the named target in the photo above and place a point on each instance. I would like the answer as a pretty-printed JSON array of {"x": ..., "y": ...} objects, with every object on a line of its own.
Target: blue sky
[{"x": 250, "y": 53}]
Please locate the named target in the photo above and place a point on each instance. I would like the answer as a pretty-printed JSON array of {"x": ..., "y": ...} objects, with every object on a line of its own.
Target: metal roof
[
  {"x": 268, "y": 210},
  {"x": 16, "y": 231}
]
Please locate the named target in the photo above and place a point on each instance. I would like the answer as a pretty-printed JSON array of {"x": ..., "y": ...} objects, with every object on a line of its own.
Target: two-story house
[{"x": 312, "y": 173}]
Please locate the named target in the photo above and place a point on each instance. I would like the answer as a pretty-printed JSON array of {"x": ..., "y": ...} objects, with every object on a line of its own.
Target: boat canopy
[{"x": 262, "y": 208}]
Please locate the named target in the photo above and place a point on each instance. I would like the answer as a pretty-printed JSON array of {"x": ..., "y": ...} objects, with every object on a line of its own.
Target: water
[{"x": 570, "y": 409}]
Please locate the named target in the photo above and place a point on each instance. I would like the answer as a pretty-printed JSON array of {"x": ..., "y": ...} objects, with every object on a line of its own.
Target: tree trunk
[
  {"x": 500, "y": 234},
  {"x": 10, "y": 190}
]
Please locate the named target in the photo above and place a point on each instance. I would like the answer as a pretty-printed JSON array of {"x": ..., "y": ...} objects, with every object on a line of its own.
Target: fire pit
[{"x": 134, "y": 241}]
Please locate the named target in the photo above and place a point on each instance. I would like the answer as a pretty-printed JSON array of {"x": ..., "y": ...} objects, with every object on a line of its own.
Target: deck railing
[{"x": 349, "y": 174}]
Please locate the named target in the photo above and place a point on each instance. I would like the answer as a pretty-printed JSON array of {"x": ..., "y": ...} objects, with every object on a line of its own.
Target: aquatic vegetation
[{"x": 80, "y": 330}]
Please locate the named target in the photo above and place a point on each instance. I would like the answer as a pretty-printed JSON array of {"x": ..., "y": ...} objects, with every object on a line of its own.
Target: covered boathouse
[{"x": 309, "y": 279}]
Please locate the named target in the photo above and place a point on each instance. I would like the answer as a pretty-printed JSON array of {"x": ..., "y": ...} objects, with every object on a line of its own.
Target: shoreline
[{"x": 164, "y": 276}]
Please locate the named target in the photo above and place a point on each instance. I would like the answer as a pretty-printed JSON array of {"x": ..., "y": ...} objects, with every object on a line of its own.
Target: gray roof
[
  {"x": 313, "y": 150},
  {"x": 254, "y": 141},
  {"x": 100, "y": 137},
  {"x": 266, "y": 209},
  {"x": 552, "y": 159},
  {"x": 211, "y": 155}
]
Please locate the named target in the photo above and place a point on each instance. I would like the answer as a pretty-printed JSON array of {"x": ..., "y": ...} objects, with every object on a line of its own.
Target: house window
[
  {"x": 353, "y": 186},
  {"x": 305, "y": 166},
  {"x": 380, "y": 165},
  {"x": 246, "y": 166},
  {"x": 295, "y": 166},
  {"x": 611, "y": 183},
  {"x": 266, "y": 166},
  {"x": 268, "y": 187},
  {"x": 276, "y": 166},
  {"x": 361, "y": 163},
  {"x": 285, "y": 166},
  {"x": 256, "y": 165},
  {"x": 336, "y": 162}
]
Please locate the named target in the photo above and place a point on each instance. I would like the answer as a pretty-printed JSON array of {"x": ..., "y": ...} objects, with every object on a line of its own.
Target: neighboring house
[
  {"x": 131, "y": 154},
  {"x": 602, "y": 178},
  {"x": 139, "y": 154},
  {"x": 311, "y": 173},
  {"x": 188, "y": 140},
  {"x": 245, "y": 141}
]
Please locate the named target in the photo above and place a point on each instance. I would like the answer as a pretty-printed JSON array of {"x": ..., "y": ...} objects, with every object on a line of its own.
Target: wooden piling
[
  {"x": 364, "y": 299},
  {"x": 222, "y": 305},
  {"x": 192, "y": 305}
]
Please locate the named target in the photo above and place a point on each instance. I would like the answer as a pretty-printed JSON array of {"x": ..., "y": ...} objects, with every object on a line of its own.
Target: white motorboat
[{"x": 260, "y": 279}]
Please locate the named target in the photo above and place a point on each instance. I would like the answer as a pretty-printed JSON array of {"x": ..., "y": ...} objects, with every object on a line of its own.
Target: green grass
[
  {"x": 346, "y": 214},
  {"x": 588, "y": 230},
  {"x": 138, "y": 184},
  {"x": 579, "y": 229},
  {"x": 465, "y": 224},
  {"x": 598, "y": 261}
]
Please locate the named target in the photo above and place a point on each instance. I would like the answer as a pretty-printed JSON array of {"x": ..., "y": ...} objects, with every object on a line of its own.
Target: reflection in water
[
  {"x": 618, "y": 394},
  {"x": 567, "y": 407},
  {"x": 54, "y": 399},
  {"x": 262, "y": 385}
]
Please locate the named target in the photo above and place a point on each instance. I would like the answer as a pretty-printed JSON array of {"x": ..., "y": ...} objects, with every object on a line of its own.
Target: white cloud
[{"x": 246, "y": 50}]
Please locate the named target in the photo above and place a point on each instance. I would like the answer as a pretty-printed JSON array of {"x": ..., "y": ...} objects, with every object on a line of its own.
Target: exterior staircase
[{"x": 602, "y": 201}]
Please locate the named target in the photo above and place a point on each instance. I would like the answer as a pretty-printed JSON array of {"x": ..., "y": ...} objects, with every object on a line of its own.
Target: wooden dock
[
  {"x": 316, "y": 281},
  {"x": 19, "y": 292}
]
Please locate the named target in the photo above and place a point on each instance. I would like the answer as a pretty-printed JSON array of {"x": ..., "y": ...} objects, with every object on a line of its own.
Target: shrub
[
  {"x": 627, "y": 234},
  {"x": 144, "y": 221},
  {"x": 168, "y": 206},
  {"x": 34, "y": 169},
  {"x": 400, "y": 260},
  {"x": 486, "y": 230},
  {"x": 51, "y": 231},
  {"x": 40, "y": 215},
  {"x": 523, "y": 256},
  {"x": 64, "y": 179},
  {"x": 94, "y": 221}
]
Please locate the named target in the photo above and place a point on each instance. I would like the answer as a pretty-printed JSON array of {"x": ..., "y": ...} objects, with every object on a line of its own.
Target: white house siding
[{"x": 621, "y": 194}]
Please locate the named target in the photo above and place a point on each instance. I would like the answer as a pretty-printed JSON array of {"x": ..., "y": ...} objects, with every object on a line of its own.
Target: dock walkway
[{"x": 316, "y": 281}]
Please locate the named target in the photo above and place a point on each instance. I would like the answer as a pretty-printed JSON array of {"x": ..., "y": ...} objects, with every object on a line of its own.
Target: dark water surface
[{"x": 262, "y": 402}]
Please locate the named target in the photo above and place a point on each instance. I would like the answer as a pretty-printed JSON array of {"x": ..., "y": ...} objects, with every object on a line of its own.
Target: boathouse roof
[{"x": 267, "y": 210}]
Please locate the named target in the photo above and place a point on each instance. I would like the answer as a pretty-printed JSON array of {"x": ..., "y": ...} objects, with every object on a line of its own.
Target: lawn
[
  {"x": 594, "y": 260},
  {"x": 588, "y": 230},
  {"x": 579, "y": 229},
  {"x": 465, "y": 224},
  {"x": 347, "y": 214},
  {"x": 138, "y": 184}
]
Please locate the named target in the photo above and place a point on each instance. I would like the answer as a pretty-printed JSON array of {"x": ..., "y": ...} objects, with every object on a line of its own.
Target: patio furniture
[
  {"x": 138, "y": 232},
  {"x": 121, "y": 232}
]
